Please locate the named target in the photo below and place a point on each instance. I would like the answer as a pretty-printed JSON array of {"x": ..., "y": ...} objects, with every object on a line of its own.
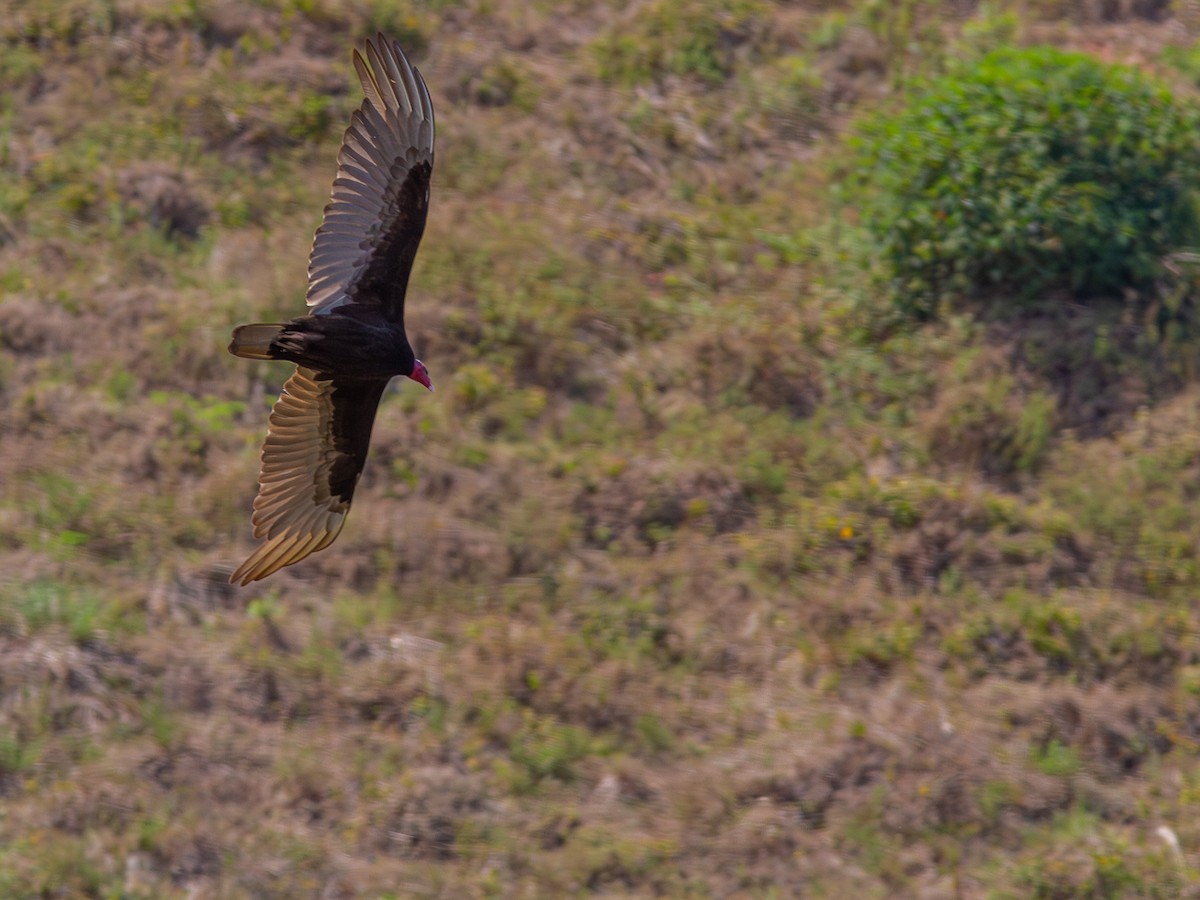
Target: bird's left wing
[
  {"x": 365, "y": 247},
  {"x": 316, "y": 446}
]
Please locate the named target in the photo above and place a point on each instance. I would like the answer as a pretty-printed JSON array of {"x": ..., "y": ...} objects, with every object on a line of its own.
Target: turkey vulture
[{"x": 352, "y": 341}]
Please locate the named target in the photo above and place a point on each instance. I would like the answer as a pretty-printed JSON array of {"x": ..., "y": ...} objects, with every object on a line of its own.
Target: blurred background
[{"x": 808, "y": 503}]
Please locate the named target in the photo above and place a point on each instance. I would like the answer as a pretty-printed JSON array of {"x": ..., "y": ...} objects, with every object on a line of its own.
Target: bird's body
[
  {"x": 353, "y": 339},
  {"x": 354, "y": 342}
]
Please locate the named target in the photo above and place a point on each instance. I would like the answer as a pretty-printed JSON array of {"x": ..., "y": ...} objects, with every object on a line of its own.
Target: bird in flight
[{"x": 352, "y": 341}]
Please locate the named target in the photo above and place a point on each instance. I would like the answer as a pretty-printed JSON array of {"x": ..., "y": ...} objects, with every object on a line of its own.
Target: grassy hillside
[{"x": 703, "y": 574}]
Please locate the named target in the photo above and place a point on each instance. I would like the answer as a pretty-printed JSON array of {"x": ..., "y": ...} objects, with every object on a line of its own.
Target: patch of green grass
[
  {"x": 18, "y": 756},
  {"x": 656, "y": 736},
  {"x": 1057, "y": 759},
  {"x": 505, "y": 82},
  {"x": 161, "y": 723},
  {"x": 18, "y": 62},
  {"x": 47, "y": 862},
  {"x": 544, "y": 749},
  {"x": 70, "y": 21},
  {"x": 1184, "y": 58},
  {"x": 866, "y": 840},
  {"x": 691, "y": 38},
  {"x": 36, "y": 606},
  {"x": 601, "y": 856},
  {"x": 1080, "y": 856}
]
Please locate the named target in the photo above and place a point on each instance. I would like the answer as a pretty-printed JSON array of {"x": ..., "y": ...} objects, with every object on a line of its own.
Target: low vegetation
[
  {"x": 711, "y": 569},
  {"x": 1031, "y": 172}
]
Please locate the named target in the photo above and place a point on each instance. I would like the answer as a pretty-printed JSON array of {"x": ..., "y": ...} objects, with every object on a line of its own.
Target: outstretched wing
[
  {"x": 364, "y": 249},
  {"x": 316, "y": 446}
]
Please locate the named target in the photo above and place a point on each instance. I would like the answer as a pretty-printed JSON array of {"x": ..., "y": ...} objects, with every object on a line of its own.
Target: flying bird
[{"x": 352, "y": 341}]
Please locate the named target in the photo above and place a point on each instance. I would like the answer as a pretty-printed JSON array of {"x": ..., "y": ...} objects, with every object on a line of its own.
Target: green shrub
[{"x": 1029, "y": 172}]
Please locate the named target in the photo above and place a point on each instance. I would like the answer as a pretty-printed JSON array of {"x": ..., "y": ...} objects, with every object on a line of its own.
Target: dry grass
[{"x": 700, "y": 575}]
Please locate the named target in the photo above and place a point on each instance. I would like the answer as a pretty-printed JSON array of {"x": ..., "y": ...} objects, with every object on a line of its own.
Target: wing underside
[{"x": 317, "y": 440}]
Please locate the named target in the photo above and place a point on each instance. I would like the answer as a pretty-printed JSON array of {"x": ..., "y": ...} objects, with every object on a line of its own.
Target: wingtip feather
[{"x": 281, "y": 551}]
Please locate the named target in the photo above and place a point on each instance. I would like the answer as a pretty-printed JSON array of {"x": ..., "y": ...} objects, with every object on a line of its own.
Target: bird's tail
[{"x": 254, "y": 341}]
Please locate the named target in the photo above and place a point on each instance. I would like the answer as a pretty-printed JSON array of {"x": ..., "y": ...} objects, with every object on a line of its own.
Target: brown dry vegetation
[{"x": 699, "y": 576}]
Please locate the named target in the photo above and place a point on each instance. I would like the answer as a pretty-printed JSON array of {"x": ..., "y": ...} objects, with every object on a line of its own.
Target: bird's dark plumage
[{"x": 353, "y": 340}]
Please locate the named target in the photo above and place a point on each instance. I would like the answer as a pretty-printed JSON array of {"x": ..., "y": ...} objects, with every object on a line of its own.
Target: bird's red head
[{"x": 420, "y": 374}]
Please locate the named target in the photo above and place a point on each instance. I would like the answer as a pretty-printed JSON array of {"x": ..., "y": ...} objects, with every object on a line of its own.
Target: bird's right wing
[
  {"x": 315, "y": 450},
  {"x": 365, "y": 247}
]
